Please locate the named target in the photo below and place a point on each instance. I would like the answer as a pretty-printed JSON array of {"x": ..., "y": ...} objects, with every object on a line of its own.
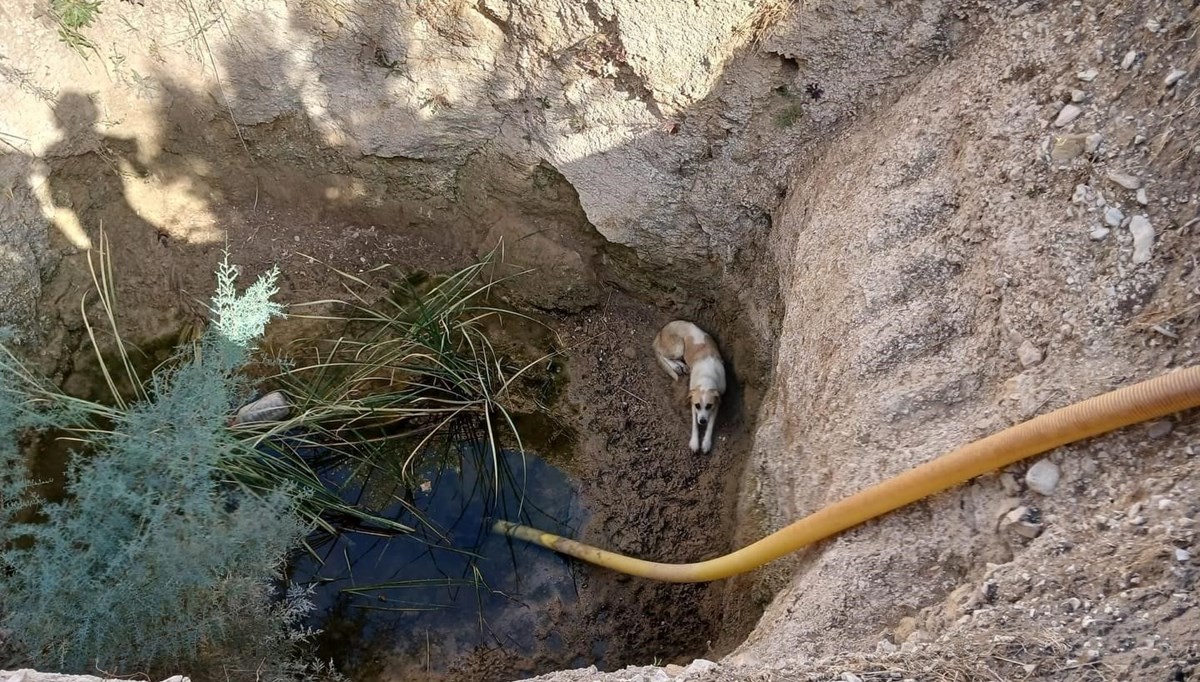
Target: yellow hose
[{"x": 1147, "y": 400}]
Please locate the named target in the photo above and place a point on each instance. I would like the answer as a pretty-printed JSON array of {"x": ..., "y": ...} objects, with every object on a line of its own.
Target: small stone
[
  {"x": 1067, "y": 114},
  {"x": 1088, "y": 76},
  {"x": 1160, "y": 429},
  {"x": 1113, "y": 216},
  {"x": 1153, "y": 26},
  {"x": 659, "y": 676},
  {"x": 1139, "y": 139},
  {"x": 1173, "y": 77},
  {"x": 1010, "y": 485},
  {"x": 673, "y": 669},
  {"x": 1182, "y": 554},
  {"x": 700, "y": 665},
  {"x": 1143, "y": 238},
  {"x": 1124, "y": 179},
  {"x": 1029, "y": 354},
  {"x": 1067, "y": 147},
  {"x": 1015, "y": 522},
  {"x": 1092, "y": 142},
  {"x": 1078, "y": 96},
  {"x": 1142, "y": 197},
  {"x": 850, "y": 677},
  {"x": 1084, "y": 194},
  {"x": 1130, "y": 58},
  {"x": 1042, "y": 478},
  {"x": 272, "y": 407},
  {"x": 1099, "y": 234}
]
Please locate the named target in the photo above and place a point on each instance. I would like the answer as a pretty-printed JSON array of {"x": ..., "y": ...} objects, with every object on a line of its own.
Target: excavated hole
[{"x": 611, "y": 461}]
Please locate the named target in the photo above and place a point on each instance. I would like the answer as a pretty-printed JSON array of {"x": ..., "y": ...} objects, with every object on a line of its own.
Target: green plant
[
  {"x": 76, "y": 14},
  {"x": 73, "y": 16},
  {"x": 157, "y": 558},
  {"x": 415, "y": 371}
]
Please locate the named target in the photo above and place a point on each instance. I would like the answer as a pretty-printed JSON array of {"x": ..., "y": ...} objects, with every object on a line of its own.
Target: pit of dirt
[{"x": 611, "y": 424}]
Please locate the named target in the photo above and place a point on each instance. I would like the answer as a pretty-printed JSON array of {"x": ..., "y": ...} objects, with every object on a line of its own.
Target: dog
[{"x": 683, "y": 348}]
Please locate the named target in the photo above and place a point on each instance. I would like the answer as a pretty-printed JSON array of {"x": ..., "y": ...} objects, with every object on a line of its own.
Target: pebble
[
  {"x": 1142, "y": 197},
  {"x": 1015, "y": 522},
  {"x": 1143, "y": 238},
  {"x": 1153, "y": 26},
  {"x": 1130, "y": 58},
  {"x": 1113, "y": 216},
  {"x": 1088, "y": 76},
  {"x": 1139, "y": 139},
  {"x": 1067, "y": 147},
  {"x": 1078, "y": 96},
  {"x": 272, "y": 407},
  {"x": 1124, "y": 179},
  {"x": 1029, "y": 354},
  {"x": 1042, "y": 478},
  {"x": 1160, "y": 429},
  {"x": 850, "y": 677},
  {"x": 1009, "y": 483},
  {"x": 1067, "y": 114},
  {"x": 1173, "y": 77},
  {"x": 700, "y": 665},
  {"x": 1083, "y": 194},
  {"x": 1182, "y": 554},
  {"x": 1092, "y": 142},
  {"x": 1098, "y": 234}
]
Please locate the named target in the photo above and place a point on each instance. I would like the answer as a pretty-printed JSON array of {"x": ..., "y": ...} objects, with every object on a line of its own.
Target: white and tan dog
[{"x": 683, "y": 348}]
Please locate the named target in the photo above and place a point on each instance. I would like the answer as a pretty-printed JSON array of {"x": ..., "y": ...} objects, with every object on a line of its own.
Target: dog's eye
[
  {"x": 708, "y": 406},
  {"x": 697, "y": 406}
]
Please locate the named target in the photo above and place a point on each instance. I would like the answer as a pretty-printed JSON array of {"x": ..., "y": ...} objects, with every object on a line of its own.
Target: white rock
[
  {"x": 700, "y": 665},
  {"x": 272, "y": 407},
  {"x": 1182, "y": 554},
  {"x": 1092, "y": 142},
  {"x": 1029, "y": 354},
  {"x": 1088, "y": 76},
  {"x": 1113, "y": 216},
  {"x": 1142, "y": 197},
  {"x": 1130, "y": 58},
  {"x": 1153, "y": 26},
  {"x": 1098, "y": 234},
  {"x": 660, "y": 676},
  {"x": 1042, "y": 478},
  {"x": 1084, "y": 194},
  {"x": 1067, "y": 114},
  {"x": 1160, "y": 429},
  {"x": 1078, "y": 96},
  {"x": 1124, "y": 179},
  {"x": 850, "y": 677},
  {"x": 1143, "y": 238},
  {"x": 1173, "y": 77},
  {"x": 1139, "y": 139}
]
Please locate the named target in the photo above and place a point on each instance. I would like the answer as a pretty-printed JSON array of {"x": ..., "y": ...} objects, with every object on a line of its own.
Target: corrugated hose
[{"x": 1151, "y": 399}]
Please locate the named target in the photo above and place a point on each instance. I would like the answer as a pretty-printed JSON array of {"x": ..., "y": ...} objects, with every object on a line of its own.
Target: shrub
[{"x": 155, "y": 560}]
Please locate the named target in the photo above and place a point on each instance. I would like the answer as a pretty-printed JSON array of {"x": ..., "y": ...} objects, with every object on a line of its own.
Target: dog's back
[{"x": 681, "y": 347}]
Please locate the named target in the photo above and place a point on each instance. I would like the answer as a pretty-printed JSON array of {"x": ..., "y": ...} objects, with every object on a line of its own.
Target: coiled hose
[{"x": 1147, "y": 400}]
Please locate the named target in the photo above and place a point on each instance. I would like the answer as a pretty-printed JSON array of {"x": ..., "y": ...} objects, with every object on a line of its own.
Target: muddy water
[{"x": 419, "y": 606}]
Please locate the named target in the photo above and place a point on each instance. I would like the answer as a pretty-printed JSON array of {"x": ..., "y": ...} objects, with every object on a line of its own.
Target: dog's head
[{"x": 704, "y": 404}]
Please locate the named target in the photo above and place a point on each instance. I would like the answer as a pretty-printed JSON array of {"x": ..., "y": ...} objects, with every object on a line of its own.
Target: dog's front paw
[
  {"x": 708, "y": 447},
  {"x": 695, "y": 445}
]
